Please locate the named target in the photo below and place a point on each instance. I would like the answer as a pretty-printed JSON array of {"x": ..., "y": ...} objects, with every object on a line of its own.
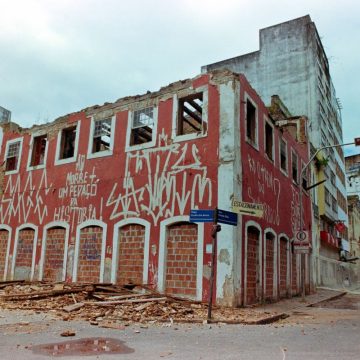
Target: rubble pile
[{"x": 111, "y": 305}]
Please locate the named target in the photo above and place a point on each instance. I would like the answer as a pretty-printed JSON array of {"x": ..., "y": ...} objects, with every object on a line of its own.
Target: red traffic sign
[{"x": 301, "y": 235}]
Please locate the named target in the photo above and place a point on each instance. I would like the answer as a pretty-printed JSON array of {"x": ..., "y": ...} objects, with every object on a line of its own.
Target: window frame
[
  {"x": 8, "y": 143},
  {"x": 129, "y": 129},
  {"x": 286, "y": 171},
  {"x": 92, "y": 155},
  {"x": 254, "y": 144},
  {"x": 267, "y": 122},
  {"x": 175, "y": 114},
  {"x": 30, "y": 154},
  {"x": 72, "y": 159}
]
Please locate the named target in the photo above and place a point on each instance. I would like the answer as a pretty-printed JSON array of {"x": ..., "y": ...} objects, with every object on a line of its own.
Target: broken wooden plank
[
  {"x": 143, "y": 306},
  {"x": 116, "y": 302},
  {"x": 40, "y": 294},
  {"x": 121, "y": 297},
  {"x": 73, "y": 307}
]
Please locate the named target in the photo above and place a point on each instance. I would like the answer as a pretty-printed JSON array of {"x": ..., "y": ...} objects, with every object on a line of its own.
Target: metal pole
[
  {"x": 213, "y": 259},
  {"x": 301, "y": 208}
]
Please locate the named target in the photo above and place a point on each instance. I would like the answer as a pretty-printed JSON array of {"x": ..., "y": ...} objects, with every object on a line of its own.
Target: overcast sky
[{"x": 60, "y": 56}]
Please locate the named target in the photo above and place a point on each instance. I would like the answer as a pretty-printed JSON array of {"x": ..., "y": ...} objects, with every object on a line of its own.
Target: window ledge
[
  {"x": 99, "y": 154},
  {"x": 36, "y": 167},
  {"x": 11, "y": 172},
  {"x": 143, "y": 146},
  {"x": 187, "y": 137},
  {"x": 65, "y": 161}
]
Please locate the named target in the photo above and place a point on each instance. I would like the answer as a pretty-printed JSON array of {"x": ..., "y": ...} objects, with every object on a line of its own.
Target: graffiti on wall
[
  {"x": 22, "y": 198},
  {"x": 161, "y": 182},
  {"x": 264, "y": 183},
  {"x": 79, "y": 185}
]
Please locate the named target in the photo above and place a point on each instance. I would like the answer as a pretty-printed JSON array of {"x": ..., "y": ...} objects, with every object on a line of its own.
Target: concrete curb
[{"x": 333, "y": 297}]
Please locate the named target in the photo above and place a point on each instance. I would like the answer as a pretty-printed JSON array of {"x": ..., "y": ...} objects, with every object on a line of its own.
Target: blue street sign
[
  {"x": 201, "y": 216},
  {"x": 227, "y": 217}
]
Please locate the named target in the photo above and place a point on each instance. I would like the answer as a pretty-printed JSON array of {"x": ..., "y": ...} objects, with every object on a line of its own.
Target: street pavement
[{"x": 329, "y": 330}]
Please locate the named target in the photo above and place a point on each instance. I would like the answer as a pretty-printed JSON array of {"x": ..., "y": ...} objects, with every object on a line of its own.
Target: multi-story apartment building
[
  {"x": 292, "y": 63},
  {"x": 104, "y": 194}
]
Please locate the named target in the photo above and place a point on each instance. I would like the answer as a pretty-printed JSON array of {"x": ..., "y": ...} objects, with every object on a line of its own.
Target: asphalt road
[{"x": 310, "y": 333}]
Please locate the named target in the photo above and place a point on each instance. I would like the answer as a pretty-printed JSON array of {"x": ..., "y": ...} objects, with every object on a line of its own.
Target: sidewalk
[{"x": 285, "y": 307}]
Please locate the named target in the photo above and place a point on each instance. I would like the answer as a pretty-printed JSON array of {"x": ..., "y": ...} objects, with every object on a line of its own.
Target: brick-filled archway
[
  {"x": 24, "y": 254},
  {"x": 283, "y": 262},
  {"x": 130, "y": 266},
  {"x": 54, "y": 254},
  {"x": 181, "y": 259},
  {"x": 4, "y": 238},
  {"x": 89, "y": 258},
  {"x": 253, "y": 273},
  {"x": 269, "y": 270}
]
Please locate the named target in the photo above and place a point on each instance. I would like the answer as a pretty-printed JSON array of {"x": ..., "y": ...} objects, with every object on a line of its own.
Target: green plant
[{"x": 321, "y": 162}]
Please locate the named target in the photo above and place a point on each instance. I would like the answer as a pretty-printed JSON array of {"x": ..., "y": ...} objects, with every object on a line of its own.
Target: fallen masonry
[{"x": 115, "y": 306}]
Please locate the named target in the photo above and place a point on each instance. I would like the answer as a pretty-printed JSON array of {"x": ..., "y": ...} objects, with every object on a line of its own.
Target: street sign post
[
  {"x": 227, "y": 217},
  {"x": 201, "y": 215},
  {"x": 213, "y": 216},
  {"x": 245, "y": 208}
]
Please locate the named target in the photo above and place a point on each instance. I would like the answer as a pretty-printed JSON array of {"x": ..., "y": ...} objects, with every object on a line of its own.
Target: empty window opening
[
  {"x": 67, "y": 145},
  {"x": 250, "y": 121},
  {"x": 38, "y": 150},
  {"x": 283, "y": 155},
  {"x": 305, "y": 180},
  {"x": 102, "y": 135},
  {"x": 142, "y": 126},
  {"x": 269, "y": 142},
  {"x": 294, "y": 163},
  {"x": 190, "y": 116},
  {"x": 12, "y": 156}
]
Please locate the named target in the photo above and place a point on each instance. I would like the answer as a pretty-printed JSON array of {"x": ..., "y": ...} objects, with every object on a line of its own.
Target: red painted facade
[{"x": 97, "y": 201}]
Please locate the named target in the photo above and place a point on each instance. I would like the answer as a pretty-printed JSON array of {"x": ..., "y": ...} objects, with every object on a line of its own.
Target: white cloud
[{"x": 60, "y": 56}]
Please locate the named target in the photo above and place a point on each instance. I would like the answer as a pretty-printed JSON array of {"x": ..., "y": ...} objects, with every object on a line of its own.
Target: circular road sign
[{"x": 301, "y": 235}]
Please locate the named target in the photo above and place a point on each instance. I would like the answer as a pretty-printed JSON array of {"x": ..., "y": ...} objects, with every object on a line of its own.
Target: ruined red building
[{"x": 104, "y": 194}]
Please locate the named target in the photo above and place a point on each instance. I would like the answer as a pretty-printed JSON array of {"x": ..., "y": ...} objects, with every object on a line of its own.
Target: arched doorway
[
  {"x": 24, "y": 253},
  {"x": 181, "y": 259},
  {"x": 283, "y": 265},
  {"x": 270, "y": 268},
  {"x": 4, "y": 240},
  {"x": 89, "y": 254},
  {"x": 130, "y": 265},
  {"x": 253, "y": 271},
  {"x": 55, "y": 239}
]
